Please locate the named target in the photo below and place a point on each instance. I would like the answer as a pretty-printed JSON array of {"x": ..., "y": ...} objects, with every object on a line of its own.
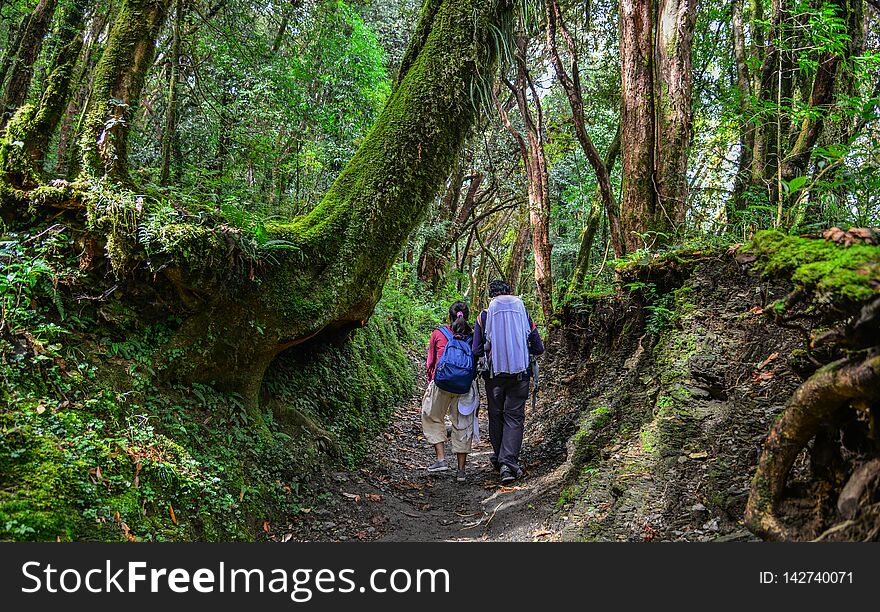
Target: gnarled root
[{"x": 814, "y": 403}]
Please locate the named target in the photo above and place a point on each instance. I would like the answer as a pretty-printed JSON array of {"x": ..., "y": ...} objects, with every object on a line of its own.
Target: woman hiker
[{"x": 437, "y": 403}]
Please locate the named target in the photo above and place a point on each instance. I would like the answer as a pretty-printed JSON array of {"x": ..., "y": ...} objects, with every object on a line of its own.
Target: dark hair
[
  {"x": 499, "y": 287},
  {"x": 459, "y": 324}
]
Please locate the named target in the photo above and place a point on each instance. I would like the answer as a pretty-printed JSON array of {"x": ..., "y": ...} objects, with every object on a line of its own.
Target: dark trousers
[{"x": 507, "y": 414}]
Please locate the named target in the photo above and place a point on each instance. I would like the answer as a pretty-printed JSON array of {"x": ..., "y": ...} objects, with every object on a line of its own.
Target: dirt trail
[{"x": 393, "y": 497}]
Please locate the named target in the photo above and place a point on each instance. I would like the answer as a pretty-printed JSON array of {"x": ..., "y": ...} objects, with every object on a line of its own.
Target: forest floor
[{"x": 393, "y": 498}]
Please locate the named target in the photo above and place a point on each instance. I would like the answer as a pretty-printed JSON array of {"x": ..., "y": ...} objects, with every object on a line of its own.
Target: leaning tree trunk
[
  {"x": 588, "y": 235},
  {"x": 16, "y": 88},
  {"x": 342, "y": 250},
  {"x": 572, "y": 86},
  {"x": 118, "y": 82}
]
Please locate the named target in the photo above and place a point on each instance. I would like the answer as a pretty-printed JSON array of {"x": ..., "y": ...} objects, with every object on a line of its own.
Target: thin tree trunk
[
  {"x": 537, "y": 178},
  {"x": 572, "y": 86},
  {"x": 168, "y": 134},
  {"x": 742, "y": 181},
  {"x": 588, "y": 235},
  {"x": 67, "y": 146},
  {"x": 432, "y": 252},
  {"x": 516, "y": 257}
]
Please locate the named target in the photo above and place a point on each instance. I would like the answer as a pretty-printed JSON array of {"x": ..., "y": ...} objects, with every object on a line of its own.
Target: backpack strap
[{"x": 445, "y": 331}]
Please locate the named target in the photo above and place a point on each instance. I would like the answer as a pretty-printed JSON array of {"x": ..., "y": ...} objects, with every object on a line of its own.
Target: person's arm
[
  {"x": 477, "y": 347},
  {"x": 536, "y": 345},
  {"x": 432, "y": 355}
]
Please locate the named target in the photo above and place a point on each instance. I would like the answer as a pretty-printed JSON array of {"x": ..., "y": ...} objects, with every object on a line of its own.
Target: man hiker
[{"x": 506, "y": 338}]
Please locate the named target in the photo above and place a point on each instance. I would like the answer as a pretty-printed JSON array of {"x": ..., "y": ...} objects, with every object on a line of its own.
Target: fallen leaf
[
  {"x": 698, "y": 455},
  {"x": 41, "y": 408},
  {"x": 287, "y": 537},
  {"x": 764, "y": 363},
  {"x": 757, "y": 310},
  {"x": 173, "y": 516},
  {"x": 361, "y": 535},
  {"x": 374, "y": 497},
  {"x": 355, "y": 498},
  {"x": 266, "y": 526},
  {"x": 542, "y": 533}
]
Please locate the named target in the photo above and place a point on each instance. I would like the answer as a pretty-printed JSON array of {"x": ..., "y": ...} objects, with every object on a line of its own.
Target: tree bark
[
  {"x": 638, "y": 208},
  {"x": 16, "y": 89},
  {"x": 672, "y": 95},
  {"x": 118, "y": 82}
]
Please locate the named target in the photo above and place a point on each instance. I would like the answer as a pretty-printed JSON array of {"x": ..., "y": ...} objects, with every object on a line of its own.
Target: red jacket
[{"x": 435, "y": 351}]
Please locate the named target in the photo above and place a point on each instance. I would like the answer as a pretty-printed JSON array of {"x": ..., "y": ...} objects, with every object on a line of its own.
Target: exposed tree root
[{"x": 815, "y": 403}]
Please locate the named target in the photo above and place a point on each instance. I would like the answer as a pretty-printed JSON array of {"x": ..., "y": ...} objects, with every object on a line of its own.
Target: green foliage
[{"x": 94, "y": 446}]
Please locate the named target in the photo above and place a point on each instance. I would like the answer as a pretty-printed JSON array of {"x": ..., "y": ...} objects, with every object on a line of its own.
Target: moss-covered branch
[{"x": 338, "y": 256}]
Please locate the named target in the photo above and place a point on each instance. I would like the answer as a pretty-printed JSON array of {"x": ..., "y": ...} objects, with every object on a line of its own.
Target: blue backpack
[{"x": 456, "y": 370}]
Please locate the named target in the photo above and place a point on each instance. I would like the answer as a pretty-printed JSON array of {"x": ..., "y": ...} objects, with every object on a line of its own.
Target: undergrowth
[{"x": 95, "y": 444}]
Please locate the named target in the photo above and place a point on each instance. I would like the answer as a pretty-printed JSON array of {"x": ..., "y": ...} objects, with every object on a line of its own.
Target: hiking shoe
[
  {"x": 507, "y": 474},
  {"x": 438, "y": 466},
  {"x": 495, "y": 465},
  {"x": 460, "y": 476}
]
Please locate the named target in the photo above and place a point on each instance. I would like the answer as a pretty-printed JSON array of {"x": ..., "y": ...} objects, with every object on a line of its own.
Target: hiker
[
  {"x": 455, "y": 372},
  {"x": 505, "y": 338}
]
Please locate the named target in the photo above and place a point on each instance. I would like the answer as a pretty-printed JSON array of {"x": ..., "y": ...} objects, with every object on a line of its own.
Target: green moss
[{"x": 833, "y": 272}]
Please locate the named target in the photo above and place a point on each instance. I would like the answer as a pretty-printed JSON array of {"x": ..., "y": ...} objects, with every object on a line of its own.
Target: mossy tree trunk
[
  {"x": 16, "y": 88},
  {"x": 54, "y": 99},
  {"x": 117, "y": 85},
  {"x": 344, "y": 248}
]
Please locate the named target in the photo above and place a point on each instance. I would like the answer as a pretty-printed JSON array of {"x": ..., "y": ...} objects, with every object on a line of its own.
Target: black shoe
[
  {"x": 507, "y": 474},
  {"x": 495, "y": 465}
]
